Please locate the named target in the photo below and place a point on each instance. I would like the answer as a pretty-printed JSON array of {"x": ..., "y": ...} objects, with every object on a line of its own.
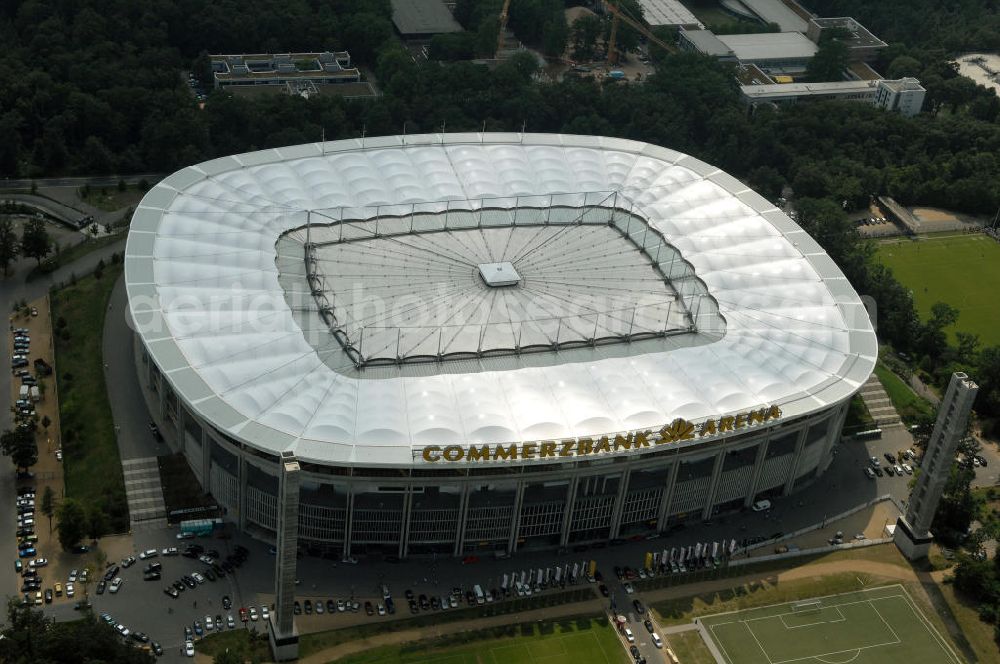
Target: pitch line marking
[{"x": 812, "y": 624}]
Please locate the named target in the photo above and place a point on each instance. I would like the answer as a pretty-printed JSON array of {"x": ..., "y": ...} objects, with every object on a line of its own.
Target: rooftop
[
  {"x": 776, "y": 11},
  {"x": 777, "y": 90},
  {"x": 423, "y": 17},
  {"x": 226, "y": 303},
  {"x": 667, "y": 12},
  {"x": 860, "y": 36},
  {"x": 706, "y": 42},
  {"x": 259, "y": 66},
  {"x": 770, "y": 46}
]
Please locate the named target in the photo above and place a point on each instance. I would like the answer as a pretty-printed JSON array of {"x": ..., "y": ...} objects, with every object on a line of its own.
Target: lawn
[
  {"x": 70, "y": 254},
  {"x": 573, "y": 641},
  {"x": 960, "y": 270},
  {"x": 690, "y": 648},
  {"x": 908, "y": 404},
  {"x": 875, "y": 626},
  {"x": 92, "y": 465}
]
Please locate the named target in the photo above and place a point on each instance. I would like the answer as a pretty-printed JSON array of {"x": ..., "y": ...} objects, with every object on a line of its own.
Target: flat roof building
[
  {"x": 416, "y": 19},
  {"x": 283, "y": 69},
  {"x": 905, "y": 96},
  {"x": 705, "y": 41},
  {"x": 669, "y": 13},
  {"x": 783, "y": 50},
  {"x": 861, "y": 44},
  {"x": 776, "y": 11}
]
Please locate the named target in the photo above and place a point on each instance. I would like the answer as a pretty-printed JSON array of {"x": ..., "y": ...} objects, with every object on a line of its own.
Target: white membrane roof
[{"x": 219, "y": 294}]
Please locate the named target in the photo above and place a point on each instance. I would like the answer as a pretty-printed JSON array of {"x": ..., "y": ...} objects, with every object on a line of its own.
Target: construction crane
[
  {"x": 503, "y": 27},
  {"x": 617, "y": 14}
]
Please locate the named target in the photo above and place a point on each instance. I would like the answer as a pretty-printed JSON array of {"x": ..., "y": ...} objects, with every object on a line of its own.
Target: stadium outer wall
[{"x": 461, "y": 509}]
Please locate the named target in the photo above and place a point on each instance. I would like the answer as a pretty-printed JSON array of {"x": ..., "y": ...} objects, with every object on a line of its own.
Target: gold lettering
[
  {"x": 528, "y": 450},
  {"x": 481, "y": 453},
  {"x": 603, "y": 445},
  {"x": 623, "y": 442},
  {"x": 756, "y": 416},
  {"x": 584, "y": 446},
  {"x": 708, "y": 428},
  {"x": 641, "y": 439},
  {"x": 548, "y": 449},
  {"x": 664, "y": 435},
  {"x": 501, "y": 452},
  {"x": 726, "y": 423},
  {"x": 773, "y": 413},
  {"x": 567, "y": 448},
  {"x": 741, "y": 420},
  {"x": 453, "y": 453},
  {"x": 432, "y": 453}
]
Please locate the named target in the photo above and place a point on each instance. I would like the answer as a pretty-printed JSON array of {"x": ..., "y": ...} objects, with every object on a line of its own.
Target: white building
[
  {"x": 664, "y": 345},
  {"x": 904, "y": 95}
]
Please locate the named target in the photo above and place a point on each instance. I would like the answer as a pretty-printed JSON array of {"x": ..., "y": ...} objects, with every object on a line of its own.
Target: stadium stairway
[
  {"x": 879, "y": 405},
  {"x": 144, "y": 492}
]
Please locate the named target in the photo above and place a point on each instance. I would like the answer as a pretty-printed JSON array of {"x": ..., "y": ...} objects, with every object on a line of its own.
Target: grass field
[
  {"x": 690, "y": 648},
  {"x": 579, "y": 641},
  {"x": 92, "y": 464},
  {"x": 908, "y": 403},
  {"x": 960, "y": 270},
  {"x": 878, "y": 626}
]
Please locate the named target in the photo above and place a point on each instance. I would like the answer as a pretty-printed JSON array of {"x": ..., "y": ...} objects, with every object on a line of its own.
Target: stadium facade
[{"x": 487, "y": 341}]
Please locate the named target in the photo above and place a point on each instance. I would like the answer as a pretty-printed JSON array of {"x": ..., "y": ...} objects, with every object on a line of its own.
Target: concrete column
[
  {"x": 348, "y": 521},
  {"x": 404, "y": 535},
  {"x": 758, "y": 468},
  {"x": 206, "y": 455},
  {"x": 283, "y": 637},
  {"x": 713, "y": 485},
  {"x": 515, "y": 520},
  {"x": 800, "y": 445},
  {"x": 568, "y": 514},
  {"x": 833, "y": 431},
  {"x": 616, "y": 513},
  {"x": 161, "y": 393},
  {"x": 463, "y": 512},
  {"x": 663, "y": 515},
  {"x": 242, "y": 499}
]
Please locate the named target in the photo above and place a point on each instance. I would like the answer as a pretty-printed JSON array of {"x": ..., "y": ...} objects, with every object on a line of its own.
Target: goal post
[{"x": 807, "y": 606}]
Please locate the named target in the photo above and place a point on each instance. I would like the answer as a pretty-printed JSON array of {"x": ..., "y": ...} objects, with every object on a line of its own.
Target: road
[
  {"x": 92, "y": 180},
  {"x": 13, "y": 289},
  {"x": 50, "y": 207}
]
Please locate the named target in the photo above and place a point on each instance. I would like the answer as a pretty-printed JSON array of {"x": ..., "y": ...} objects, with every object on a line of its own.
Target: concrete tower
[
  {"x": 281, "y": 628},
  {"x": 913, "y": 535}
]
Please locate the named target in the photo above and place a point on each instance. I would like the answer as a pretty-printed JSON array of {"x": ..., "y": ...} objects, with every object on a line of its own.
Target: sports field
[
  {"x": 878, "y": 626},
  {"x": 961, "y": 270},
  {"x": 578, "y": 641}
]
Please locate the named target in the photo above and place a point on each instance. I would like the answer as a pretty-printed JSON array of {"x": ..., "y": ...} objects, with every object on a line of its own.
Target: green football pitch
[
  {"x": 878, "y": 626},
  {"x": 571, "y": 642},
  {"x": 962, "y": 270}
]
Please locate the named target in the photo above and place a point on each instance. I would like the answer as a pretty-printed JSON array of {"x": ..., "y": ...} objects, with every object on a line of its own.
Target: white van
[
  {"x": 629, "y": 636},
  {"x": 657, "y": 641},
  {"x": 478, "y": 591},
  {"x": 761, "y": 505}
]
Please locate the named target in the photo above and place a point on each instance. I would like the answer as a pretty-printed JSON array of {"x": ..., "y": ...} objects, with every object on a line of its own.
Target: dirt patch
[{"x": 933, "y": 214}]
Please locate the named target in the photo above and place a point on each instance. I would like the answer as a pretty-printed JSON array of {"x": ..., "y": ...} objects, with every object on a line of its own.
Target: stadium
[{"x": 487, "y": 342}]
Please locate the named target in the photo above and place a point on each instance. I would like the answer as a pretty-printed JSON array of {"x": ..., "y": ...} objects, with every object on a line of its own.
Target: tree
[
  {"x": 829, "y": 62},
  {"x": 72, "y": 523},
  {"x": 48, "y": 504},
  {"x": 97, "y": 522},
  {"x": 46, "y": 420},
  {"x": 32, "y": 638},
  {"x": 35, "y": 241},
  {"x": 957, "y": 508},
  {"x": 584, "y": 34},
  {"x": 9, "y": 244},
  {"x": 932, "y": 340},
  {"x": 228, "y": 657},
  {"x": 19, "y": 444}
]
